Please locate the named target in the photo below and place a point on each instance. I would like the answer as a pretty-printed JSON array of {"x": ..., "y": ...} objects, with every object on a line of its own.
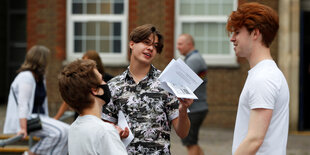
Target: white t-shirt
[
  {"x": 265, "y": 87},
  {"x": 89, "y": 135}
]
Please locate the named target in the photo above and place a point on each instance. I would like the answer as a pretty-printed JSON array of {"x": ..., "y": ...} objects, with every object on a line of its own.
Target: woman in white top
[{"x": 28, "y": 99}]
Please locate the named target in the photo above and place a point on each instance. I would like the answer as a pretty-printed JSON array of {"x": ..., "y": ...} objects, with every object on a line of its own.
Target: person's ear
[
  {"x": 131, "y": 43},
  {"x": 94, "y": 91},
  {"x": 256, "y": 34}
]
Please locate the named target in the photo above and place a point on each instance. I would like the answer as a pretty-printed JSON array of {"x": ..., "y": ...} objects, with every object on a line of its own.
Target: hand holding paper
[
  {"x": 180, "y": 80},
  {"x": 123, "y": 124}
]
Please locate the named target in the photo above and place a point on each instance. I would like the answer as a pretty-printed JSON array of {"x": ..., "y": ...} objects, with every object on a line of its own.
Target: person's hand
[
  {"x": 56, "y": 117},
  {"x": 184, "y": 104},
  {"x": 122, "y": 133},
  {"x": 22, "y": 132}
]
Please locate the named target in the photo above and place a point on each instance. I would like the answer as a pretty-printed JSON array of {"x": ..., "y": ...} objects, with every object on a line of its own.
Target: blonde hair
[{"x": 36, "y": 61}]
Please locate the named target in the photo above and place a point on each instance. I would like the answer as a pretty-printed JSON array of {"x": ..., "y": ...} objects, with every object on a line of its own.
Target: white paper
[
  {"x": 179, "y": 79},
  {"x": 181, "y": 91},
  {"x": 123, "y": 124}
]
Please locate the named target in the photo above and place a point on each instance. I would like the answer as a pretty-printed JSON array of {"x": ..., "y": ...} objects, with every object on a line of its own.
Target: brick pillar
[{"x": 46, "y": 25}]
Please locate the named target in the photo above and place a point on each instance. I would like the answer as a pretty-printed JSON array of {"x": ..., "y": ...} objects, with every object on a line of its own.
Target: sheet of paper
[
  {"x": 165, "y": 86},
  {"x": 181, "y": 91},
  {"x": 180, "y": 79},
  {"x": 167, "y": 67},
  {"x": 123, "y": 123},
  {"x": 189, "y": 76}
]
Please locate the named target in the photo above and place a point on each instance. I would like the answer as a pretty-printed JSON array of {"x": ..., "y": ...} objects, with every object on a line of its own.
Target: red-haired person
[
  {"x": 263, "y": 111},
  {"x": 82, "y": 88}
]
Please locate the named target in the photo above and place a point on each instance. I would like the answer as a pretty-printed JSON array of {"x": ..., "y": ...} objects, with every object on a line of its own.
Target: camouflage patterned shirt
[{"x": 148, "y": 110}]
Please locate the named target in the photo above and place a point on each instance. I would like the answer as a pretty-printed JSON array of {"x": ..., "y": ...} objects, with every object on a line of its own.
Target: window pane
[
  {"x": 212, "y": 30},
  {"x": 119, "y": 8},
  {"x": 104, "y": 28},
  {"x": 105, "y": 46},
  {"x": 78, "y": 28},
  {"x": 212, "y": 47},
  {"x": 227, "y": 9},
  {"x": 90, "y": 45},
  {"x": 213, "y": 9},
  {"x": 223, "y": 32},
  {"x": 199, "y": 9},
  {"x": 117, "y": 46},
  {"x": 186, "y": 28},
  {"x": 200, "y": 45},
  {"x": 91, "y": 8},
  {"x": 17, "y": 54},
  {"x": 117, "y": 29},
  {"x": 98, "y": 6},
  {"x": 78, "y": 46},
  {"x": 77, "y": 8},
  {"x": 17, "y": 4},
  {"x": 199, "y": 29},
  {"x": 18, "y": 26},
  {"x": 105, "y": 8},
  {"x": 225, "y": 47},
  {"x": 210, "y": 38},
  {"x": 91, "y": 28},
  {"x": 206, "y": 7},
  {"x": 185, "y": 9},
  {"x": 100, "y": 36}
]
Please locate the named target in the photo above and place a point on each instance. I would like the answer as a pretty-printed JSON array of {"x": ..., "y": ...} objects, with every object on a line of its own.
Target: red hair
[{"x": 255, "y": 16}]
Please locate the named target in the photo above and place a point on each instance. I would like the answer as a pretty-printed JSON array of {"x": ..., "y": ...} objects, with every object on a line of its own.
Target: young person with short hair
[
  {"x": 263, "y": 111},
  {"x": 149, "y": 110},
  {"x": 83, "y": 89}
]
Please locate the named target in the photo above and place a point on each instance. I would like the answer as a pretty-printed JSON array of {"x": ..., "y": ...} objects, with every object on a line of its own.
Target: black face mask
[{"x": 106, "y": 93}]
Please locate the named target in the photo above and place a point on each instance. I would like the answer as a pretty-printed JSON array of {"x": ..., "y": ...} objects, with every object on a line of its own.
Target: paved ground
[{"x": 218, "y": 141}]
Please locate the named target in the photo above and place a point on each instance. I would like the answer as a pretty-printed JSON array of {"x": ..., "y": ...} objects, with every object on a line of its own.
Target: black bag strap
[{"x": 15, "y": 98}]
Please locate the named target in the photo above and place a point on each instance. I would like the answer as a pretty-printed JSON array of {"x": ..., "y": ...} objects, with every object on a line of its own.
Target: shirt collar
[
  {"x": 127, "y": 76},
  {"x": 190, "y": 53}
]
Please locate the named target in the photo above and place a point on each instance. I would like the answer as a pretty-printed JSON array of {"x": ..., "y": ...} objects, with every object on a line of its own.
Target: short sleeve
[
  {"x": 263, "y": 93},
  {"x": 172, "y": 107}
]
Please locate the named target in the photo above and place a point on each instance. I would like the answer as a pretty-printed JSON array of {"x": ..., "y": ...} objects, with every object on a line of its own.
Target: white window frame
[
  {"x": 109, "y": 59},
  {"x": 216, "y": 60}
]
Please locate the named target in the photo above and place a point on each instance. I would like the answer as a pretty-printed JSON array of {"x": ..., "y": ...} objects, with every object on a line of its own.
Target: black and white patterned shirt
[{"x": 148, "y": 109}]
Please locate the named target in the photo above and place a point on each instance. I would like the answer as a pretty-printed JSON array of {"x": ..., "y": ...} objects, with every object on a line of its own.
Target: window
[
  {"x": 206, "y": 21},
  {"x": 99, "y": 25}
]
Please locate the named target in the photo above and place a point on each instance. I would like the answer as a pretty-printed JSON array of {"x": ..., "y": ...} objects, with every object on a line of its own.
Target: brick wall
[{"x": 46, "y": 25}]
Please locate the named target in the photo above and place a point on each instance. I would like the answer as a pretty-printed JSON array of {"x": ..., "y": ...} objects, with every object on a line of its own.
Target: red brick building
[{"x": 71, "y": 27}]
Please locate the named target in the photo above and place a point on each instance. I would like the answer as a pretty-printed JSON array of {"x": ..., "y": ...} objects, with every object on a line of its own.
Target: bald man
[{"x": 199, "y": 109}]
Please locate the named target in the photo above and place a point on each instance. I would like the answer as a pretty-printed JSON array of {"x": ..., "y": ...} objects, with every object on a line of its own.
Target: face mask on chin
[{"x": 106, "y": 96}]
